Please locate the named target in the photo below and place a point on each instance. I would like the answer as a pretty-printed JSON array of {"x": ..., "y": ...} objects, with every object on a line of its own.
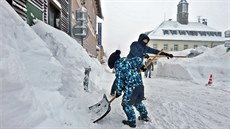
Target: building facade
[
  {"x": 52, "y": 12},
  {"x": 93, "y": 9},
  {"x": 182, "y": 34},
  {"x": 61, "y": 14}
]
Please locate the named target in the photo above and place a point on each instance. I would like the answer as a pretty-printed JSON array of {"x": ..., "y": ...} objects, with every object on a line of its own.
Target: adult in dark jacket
[
  {"x": 140, "y": 49},
  {"x": 114, "y": 56}
]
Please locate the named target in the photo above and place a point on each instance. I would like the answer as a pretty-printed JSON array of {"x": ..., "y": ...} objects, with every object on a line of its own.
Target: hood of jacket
[{"x": 142, "y": 37}]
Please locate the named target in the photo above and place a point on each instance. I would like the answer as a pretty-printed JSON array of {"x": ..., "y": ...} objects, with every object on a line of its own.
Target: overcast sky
[{"x": 124, "y": 20}]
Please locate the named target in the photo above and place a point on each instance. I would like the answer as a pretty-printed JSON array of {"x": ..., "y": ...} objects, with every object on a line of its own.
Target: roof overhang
[
  {"x": 98, "y": 6},
  {"x": 221, "y": 40}
]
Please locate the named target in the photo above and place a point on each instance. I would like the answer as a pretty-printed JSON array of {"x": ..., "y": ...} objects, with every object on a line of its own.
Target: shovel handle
[
  {"x": 114, "y": 97},
  {"x": 149, "y": 62},
  {"x": 174, "y": 56}
]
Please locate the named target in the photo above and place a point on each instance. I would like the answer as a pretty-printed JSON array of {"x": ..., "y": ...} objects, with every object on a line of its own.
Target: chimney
[
  {"x": 204, "y": 21},
  {"x": 199, "y": 19}
]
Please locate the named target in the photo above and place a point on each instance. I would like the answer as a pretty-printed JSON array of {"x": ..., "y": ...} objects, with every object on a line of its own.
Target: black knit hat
[
  {"x": 118, "y": 52},
  {"x": 113, "y": 58}
]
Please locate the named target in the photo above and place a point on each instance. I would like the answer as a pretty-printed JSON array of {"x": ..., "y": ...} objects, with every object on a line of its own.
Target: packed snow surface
[{"x": 42, "y": 72}]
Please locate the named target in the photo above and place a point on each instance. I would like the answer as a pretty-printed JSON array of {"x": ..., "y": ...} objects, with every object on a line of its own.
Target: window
[
  {"x": 166, "y": 32},
  {"x": 227, "y": 34},
  {"x": 181, "y": 32},
  {"x": 173, "y": 32},
  {"x": 175, "y": 47},
  {"x": 219, "y": 34},
  {"x": 155, "y": 46},
  {"x": 166, "y": 47},
  {"x": 194, "y": 33},
  {"x": 184, "y": 8},
  {"x": 185, "y": 47},
  {"x": 54, "y": 16},
  {"x": 202, "y": 33},
  {"x": 211, "y": 33}
]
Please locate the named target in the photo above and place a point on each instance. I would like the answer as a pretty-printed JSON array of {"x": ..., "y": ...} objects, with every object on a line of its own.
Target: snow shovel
[{"x": 101, "y": 109}]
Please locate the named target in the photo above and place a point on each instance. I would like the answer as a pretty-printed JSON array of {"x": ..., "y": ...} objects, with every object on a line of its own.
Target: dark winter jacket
[
  {"x": 127, "y": 75},
  {"x": 139, "y": 48}
]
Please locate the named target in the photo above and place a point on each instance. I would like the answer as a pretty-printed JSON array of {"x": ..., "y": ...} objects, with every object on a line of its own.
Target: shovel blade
[{"x": 100, "y": 109}]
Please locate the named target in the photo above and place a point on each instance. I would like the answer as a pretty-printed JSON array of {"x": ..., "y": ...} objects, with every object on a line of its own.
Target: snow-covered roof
[{"x": 173, "y": 30}]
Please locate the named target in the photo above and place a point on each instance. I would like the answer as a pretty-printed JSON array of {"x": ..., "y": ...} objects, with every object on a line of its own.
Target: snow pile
[
  {"x": 27, "y": 67},
  {"x": 42, "y": 78},
  {"x": 71, "y": 55},
  {"x": 197, "y": 69}
]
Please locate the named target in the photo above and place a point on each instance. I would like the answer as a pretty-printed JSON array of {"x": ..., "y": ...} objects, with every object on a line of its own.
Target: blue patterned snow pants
[{"x": 134, "y": 98}]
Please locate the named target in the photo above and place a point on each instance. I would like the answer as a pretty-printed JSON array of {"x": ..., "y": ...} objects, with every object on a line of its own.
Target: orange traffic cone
[{"x": 210, "y": 80}]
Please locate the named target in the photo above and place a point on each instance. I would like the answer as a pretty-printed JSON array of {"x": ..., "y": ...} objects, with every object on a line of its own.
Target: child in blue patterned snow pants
[{"x": 129, "y": 80}]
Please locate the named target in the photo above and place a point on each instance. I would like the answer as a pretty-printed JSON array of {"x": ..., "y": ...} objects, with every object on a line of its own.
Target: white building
[{"x": 182, "y": 34}]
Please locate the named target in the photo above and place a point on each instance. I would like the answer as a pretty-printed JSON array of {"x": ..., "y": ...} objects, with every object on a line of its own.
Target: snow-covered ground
[{"x": 42, "y": 73}]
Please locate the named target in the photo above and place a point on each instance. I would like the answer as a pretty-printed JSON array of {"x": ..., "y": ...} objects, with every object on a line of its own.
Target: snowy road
[
  {"x": 176, "y": 104},
  {"x": 179, "y": 104}
]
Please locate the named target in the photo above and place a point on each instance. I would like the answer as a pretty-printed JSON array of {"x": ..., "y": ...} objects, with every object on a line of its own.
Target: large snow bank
[
  {"x": 42, "y": 78},
  {"x": 27, "y": 67},
  {"x": 198, "y": 69},
  {"x": 71, "y": 55}
]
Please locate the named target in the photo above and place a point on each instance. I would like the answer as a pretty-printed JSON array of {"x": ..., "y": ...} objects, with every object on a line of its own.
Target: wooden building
[{"x": 61, "y": 14}]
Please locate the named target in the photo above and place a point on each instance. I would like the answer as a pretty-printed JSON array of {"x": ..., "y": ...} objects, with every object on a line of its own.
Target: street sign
[
  {"x": 80, "y": 31},
  {"x": 81, "y": 16}
]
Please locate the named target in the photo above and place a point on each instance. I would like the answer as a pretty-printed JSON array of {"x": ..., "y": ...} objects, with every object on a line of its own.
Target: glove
[
  {"x": 118, "y": 95},
  {"x": 146, "y": 56},
  {"x": 143, "y": 68},
  {"x": 168, "y": 55}
]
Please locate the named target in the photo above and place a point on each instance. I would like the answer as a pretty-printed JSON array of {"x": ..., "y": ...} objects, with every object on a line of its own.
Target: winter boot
[
  {"x": 112, "y": 93},
  {"x": 146, "y": 118},
  {"x": 131, "y": 124}
]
